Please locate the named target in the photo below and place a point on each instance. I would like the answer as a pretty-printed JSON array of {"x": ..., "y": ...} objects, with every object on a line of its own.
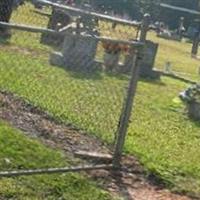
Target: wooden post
[
  {"x": 196, "y": 40},
  {"x": 128, "y": 104}
]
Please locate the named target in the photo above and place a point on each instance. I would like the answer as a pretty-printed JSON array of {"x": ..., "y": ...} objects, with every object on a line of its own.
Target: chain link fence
[{"x": 74, "y": 64}]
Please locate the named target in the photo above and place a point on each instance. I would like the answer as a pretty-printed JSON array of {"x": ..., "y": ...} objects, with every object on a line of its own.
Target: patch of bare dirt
[{"x": 130, "y": 183}]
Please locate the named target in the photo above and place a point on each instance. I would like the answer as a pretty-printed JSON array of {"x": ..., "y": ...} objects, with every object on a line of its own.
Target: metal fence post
[{"x": 128, "y": 103}]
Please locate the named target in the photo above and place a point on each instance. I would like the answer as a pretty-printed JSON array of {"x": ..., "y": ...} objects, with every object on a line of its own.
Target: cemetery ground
[
  {"x": 160, "y": 135},
  {"x": 18, "y": 152}
]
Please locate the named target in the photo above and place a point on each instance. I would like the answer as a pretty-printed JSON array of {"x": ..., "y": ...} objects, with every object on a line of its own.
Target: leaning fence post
[{"x": 128, "y": 104}]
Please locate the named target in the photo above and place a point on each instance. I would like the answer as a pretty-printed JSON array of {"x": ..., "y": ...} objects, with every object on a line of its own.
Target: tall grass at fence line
[{"x": 26, "y": 15}]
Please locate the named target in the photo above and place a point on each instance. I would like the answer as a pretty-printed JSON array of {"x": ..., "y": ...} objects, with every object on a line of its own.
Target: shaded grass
[{"x": 19, "y": 152}]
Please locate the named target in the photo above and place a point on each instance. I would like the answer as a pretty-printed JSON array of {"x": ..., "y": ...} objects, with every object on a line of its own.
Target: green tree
[{"x": 6, "y": 7}]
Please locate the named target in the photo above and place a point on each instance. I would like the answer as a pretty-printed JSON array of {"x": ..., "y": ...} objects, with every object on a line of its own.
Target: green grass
[
  {"x": 81, "y": 99},
  {"x": 19, "y": 152},
  {"x": 26, "y": 15},
  {"x": 160, "y": 134},
  {"x": 179, "y": 54}
]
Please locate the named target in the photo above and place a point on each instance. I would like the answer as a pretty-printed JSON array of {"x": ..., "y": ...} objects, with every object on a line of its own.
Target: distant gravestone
[
  {"x": 80, "y": 45},
  {"x": 78, "y": 53},
  {"x": 148, "y": 61},
  {"x": 146, "y": 65}
]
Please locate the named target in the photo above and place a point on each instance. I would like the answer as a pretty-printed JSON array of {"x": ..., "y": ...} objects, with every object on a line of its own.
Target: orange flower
[{"x": 115, "y": 47}]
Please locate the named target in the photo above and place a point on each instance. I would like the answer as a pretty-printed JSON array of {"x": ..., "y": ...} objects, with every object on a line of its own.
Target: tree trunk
[{"x": 5, "y": 13}]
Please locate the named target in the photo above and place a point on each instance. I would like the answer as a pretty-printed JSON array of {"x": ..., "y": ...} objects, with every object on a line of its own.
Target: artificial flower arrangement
[
  {"x": 115, "y": 48},
  {"x": 191, "y": 95}
]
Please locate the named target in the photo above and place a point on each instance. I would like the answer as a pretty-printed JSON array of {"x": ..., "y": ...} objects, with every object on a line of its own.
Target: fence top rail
[
  {"x": 22, "y": 27},
  {"x": 177, "y": 8},
  {"x": 133, "y": 43},
  {"x": 89, "y": 13}
]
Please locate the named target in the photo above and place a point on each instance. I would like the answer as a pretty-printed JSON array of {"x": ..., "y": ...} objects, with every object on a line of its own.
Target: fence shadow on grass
[
  {"x": 152, "y": 81},
  {"x": 118, "y": 75},
  {"x": 95, "y": 74},
  {"x": 80, "y": 74}
]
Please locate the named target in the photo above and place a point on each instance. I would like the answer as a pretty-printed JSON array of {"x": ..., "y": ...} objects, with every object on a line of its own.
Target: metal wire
[{"x": 70, "y": 62}]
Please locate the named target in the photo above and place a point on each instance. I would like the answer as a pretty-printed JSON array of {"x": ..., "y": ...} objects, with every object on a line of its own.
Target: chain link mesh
[{"x": 72, "y": 64}]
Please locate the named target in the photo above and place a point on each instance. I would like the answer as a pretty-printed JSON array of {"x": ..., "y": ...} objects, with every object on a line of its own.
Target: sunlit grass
[
  {"x": 160, "y": 134},
  {"x": 19, "y": 152},
  {"x": 179, "y": 54}
]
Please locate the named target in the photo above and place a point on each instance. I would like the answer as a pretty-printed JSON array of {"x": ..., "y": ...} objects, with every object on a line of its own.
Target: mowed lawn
[
  {"x": 160, "y": 134},
  {"x": 179, "y": 55},
  {"x": 19, "y": 152}
]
